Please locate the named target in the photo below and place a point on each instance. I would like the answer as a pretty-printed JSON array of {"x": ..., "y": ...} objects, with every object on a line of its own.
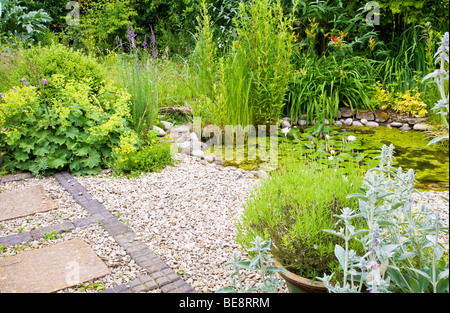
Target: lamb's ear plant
[
  {"x": 440, "y": 77},
  {"x": 261, "y": 261},
  {"x": 402, "y": 251}
]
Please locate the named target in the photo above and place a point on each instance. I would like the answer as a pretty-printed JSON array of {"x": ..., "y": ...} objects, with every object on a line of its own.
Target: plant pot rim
[{"x": 305, "y": 283}]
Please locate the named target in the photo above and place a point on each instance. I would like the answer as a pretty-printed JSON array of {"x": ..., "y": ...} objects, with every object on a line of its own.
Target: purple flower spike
[
  {"x": 44, "y": 82},
  {"x": 145, "y": 43},
  {"x": 14, "y": 88},
  {"x": 24, "y": 81},
  {"x": 153, "y": 37},
  {"x": 2, "y": 95}
]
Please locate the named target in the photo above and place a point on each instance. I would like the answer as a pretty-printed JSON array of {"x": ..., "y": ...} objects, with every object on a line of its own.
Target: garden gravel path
[{"x": 186, "y": 214}]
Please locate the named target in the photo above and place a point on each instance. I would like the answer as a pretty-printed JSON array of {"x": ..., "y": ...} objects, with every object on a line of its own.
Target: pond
[{"x": 430, "y": 163}]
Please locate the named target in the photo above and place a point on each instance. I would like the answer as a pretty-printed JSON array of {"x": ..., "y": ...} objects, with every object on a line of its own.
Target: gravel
[{"x": 186, "y": 214}]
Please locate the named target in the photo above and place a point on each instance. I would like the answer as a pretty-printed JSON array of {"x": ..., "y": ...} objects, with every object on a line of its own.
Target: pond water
[{"x": 430, "y": 163}]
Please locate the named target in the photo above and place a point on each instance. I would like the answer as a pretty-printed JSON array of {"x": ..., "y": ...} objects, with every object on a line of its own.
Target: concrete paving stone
[
  {"x": 50, "y": 269},
  {"x": 24, "y": 202}
]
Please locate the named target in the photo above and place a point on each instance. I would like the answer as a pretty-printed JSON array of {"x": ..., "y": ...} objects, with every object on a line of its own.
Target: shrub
[
  {"x": 409, "y": 102},
  {"x": 38, "y": 62},
  {"x": 291, "y": 209},
  {"x": 153, "y": 157},
  {"x": 59, "y": 125},
  {"x": 16, "y": 22}
]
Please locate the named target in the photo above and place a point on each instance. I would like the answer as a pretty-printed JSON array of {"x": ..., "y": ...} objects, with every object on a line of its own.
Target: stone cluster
[
  {"x": 188, "y": 143},
  {"x": 360, "y": 118}
]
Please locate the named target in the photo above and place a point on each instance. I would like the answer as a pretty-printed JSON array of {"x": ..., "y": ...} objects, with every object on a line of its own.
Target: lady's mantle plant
[
  {"x": 402, "y": 251},
  {"x": 61, "y": 124}
]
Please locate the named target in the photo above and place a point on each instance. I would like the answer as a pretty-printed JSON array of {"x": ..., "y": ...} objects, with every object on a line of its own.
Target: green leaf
[
  {"x": 93, "y": 160},
  {"x": 420, "y": 273},
  {"x": 72, "y": 132},
  {"x": 443, "y": 275},
  {"x": 340, "y": 254},
  {"x": 20, "y": 156},
  {"x": 56, "y": 163},
  {"x": 26, "y": 146},
  {"x": 226, "y": 290}
]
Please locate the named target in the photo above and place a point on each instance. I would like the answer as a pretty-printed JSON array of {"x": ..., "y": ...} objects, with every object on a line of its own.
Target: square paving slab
[
  {"x": 50, "y": 269},
  {"x": 24, "y": 202}
]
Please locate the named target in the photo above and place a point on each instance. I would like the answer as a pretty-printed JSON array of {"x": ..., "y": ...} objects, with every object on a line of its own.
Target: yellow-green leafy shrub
[
  {"x": 409, "y": 102},
  {"x": 61, "y": 125},
  {"x": 152, "y": 157}
]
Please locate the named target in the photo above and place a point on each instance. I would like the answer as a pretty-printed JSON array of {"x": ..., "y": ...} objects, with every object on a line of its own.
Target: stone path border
[{"x": 159, "y": 275}]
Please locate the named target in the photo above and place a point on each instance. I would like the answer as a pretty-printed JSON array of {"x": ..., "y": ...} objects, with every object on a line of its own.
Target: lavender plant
[
  {"x": 440, "y": 77},
  {"x": 402, "y": 251}
]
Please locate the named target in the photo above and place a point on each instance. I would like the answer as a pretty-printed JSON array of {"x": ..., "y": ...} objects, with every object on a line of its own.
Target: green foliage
[
  {"x": 401, "y": 251},
  {"x": 137, "y": 74},
  {"x": 291, "y": 208},
  {"x": 265, "y": 35},
  {"x": 152, "y": 157},
  {"x": 103, "y": 22},
  {"x": 42, "y": 62},
  {"x": 18, "y": 22},
  {"x": 410, "y": 102},
  {"x": 61, "y": 125},
  {"x": 321, "y": 85},
  {"x": 251, "y": 78}
]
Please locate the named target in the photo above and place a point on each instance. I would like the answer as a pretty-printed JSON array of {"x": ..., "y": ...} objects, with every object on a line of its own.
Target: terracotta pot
[{"x": 298, "y": 284}]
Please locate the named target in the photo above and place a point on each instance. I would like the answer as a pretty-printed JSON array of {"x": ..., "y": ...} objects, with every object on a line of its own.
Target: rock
[
  {"x": 180, "y": 133},
  {"x": 166, "y": 125},
  {"x": 198, "y": 154},
  {"x": 396, "y": 124},
  {"x": 405, "y": 127},
  {"x": 210, "y": 158},
  {"x": 421, "y": 127},
  {"x": 346, "y": 112},
  {"x": 337, "y": 123},
  {"x": 261, "y": 174},
  {"x": 357, "y": 123},
  {"x": 185, "y": 147},
  {"x": 302, "y": 123},
  {"x": 367, "y": 115},
  {"x": 285, "y": 124},
  {"x": 326, "y": 122},
  {"x": 416, "y": 120},
  {"x": 193, "y": 136},
  {"x": 348, "y": 122},
  {"x": 372, "y": 124},
  {"x": 218, "y": 160},
  {"x": 364, "y": 121},
  {"x": 381, "y": 116},
  {"x": 161, "y": 132}
]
